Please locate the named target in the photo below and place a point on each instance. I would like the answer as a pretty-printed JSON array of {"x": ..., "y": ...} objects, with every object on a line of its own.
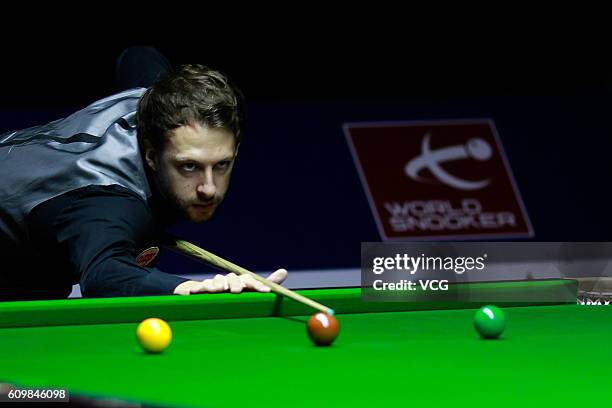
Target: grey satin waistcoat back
[{"x": 94, "y": 146}]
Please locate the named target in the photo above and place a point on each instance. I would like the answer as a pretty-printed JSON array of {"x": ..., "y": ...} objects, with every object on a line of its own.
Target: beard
[
  {"x": 195, "y": 214},
  {"x": 183, "y": 209}
]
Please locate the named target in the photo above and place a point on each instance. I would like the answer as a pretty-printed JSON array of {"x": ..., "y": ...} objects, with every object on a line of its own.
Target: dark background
[
  {"x": 372, "y": 63},
  {"x": 296, "y": 200}
]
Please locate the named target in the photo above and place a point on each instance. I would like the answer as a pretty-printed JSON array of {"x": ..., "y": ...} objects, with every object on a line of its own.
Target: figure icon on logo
[{"x": 475, "y": 148}]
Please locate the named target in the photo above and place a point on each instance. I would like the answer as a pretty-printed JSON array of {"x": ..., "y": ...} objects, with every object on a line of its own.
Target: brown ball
[{"x": 322, "y": 329}]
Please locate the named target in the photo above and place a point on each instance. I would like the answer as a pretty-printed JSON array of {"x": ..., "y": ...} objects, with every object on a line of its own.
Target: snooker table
[{"x": 252, "y": 349}]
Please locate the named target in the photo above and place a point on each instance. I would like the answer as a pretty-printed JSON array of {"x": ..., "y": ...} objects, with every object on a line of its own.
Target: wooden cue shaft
[{"x": 199, "y": 253}]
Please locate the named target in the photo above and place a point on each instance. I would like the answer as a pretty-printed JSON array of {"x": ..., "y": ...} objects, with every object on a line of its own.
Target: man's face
[{"x": 194, "y": 168}]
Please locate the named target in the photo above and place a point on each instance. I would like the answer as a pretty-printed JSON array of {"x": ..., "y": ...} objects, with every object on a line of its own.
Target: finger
[
  {"x": 235, "y": 284},
  {"x": 206, "y": 286},
  {"x": 278, "y": 276},
  {"x": 253, "y": 284},
  {"x": 212, "y": 286},
  {"x": 221, "y": 283}
]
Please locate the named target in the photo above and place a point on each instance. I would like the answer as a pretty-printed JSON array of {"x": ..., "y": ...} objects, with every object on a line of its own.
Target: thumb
[{"x": 278, "y": 276}]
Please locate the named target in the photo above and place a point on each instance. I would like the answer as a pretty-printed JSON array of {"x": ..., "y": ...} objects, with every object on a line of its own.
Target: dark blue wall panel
[{"x": 296, "y": 200}]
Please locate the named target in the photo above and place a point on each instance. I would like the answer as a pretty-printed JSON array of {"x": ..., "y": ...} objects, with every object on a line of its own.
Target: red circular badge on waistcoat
[{"x": 147, "y": 256}]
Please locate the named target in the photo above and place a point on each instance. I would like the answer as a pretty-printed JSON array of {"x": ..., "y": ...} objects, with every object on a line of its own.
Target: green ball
[{"x": 490, "y": 321}]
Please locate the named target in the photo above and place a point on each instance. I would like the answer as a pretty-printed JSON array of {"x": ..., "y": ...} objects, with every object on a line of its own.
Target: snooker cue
[{"x": 215, "y": 260}]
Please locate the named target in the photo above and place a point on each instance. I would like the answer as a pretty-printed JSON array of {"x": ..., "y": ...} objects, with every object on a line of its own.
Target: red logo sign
[
  {"x": 147, "y": 256},
  {"x": 438, "y": 180}
]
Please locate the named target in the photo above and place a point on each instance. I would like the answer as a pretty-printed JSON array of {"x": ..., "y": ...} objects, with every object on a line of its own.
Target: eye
[
  {"x": 223, "y": 165},
  {"x": 189, "y": 167}
]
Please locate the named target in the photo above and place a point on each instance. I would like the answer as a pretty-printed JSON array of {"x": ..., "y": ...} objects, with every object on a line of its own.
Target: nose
[{"x": 207, "y": 189}]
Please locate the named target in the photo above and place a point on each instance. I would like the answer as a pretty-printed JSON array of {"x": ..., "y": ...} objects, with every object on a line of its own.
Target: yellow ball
[{"x": 154, "y": 335}]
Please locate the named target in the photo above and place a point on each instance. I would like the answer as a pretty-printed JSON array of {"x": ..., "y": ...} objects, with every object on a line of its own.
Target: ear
[
  {"x": 236, "y": 150},
  {"x": 150, "y": 156}
]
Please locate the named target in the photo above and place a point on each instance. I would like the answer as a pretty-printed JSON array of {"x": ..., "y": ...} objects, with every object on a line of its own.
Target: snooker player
[{"x": 82, "y": 197}]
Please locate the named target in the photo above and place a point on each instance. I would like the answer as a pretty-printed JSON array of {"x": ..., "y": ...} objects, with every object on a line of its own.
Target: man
[{"x": 82, "y": 197}]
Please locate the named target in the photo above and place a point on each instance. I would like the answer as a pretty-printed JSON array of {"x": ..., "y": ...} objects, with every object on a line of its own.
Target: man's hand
[{"x": 229, "y": 283}]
